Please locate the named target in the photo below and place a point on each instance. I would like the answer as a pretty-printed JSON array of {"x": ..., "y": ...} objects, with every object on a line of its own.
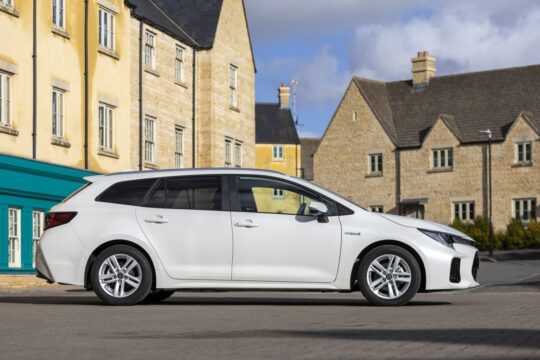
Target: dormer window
[{"x": 523, "y": 153}]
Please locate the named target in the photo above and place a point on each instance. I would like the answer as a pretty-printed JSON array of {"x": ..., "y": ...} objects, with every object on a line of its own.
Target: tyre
[
  {"x": 121, "y": 275},
  {"x": 389, "y": 276},
  {"x": 157, "y": 296}
]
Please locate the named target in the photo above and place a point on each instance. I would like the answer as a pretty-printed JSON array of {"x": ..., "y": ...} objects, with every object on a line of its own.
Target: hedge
[{"x": 516, "y": 236}]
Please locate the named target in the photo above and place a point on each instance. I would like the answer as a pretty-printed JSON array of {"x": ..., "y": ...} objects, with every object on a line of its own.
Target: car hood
[{"x": 423, "y": 224}]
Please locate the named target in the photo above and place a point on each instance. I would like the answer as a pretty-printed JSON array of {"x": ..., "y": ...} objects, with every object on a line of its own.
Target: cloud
[{"x": 460, "y": 38}]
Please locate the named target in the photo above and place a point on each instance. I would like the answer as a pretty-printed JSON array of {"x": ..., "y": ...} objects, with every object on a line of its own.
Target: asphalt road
[{"x": 501, "y": 320}]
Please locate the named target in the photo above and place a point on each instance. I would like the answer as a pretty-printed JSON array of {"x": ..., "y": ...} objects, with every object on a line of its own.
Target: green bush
[{"x": 516, "y": 236}]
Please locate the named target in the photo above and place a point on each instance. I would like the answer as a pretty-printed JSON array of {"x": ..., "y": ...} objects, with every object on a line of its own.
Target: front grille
[
  {"x": 455, "y": 275},
  {"x": 475, "y": 266}
]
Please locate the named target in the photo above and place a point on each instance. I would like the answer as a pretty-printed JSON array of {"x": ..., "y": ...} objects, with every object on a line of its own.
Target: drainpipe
[
  {"x": 140, "y": 95},
  {"x": 34, "y": 82},
  {"x": 193, "y": 111},
  {"x": 398, "y": 180},
  {"x": 86, "y": 84}
]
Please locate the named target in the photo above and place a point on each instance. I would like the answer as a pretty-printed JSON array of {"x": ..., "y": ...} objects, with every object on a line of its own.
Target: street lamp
[{"x": 489, "y": 134}]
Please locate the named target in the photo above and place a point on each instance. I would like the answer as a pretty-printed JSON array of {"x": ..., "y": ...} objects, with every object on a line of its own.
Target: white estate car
[{"x": 134, "y": 237}]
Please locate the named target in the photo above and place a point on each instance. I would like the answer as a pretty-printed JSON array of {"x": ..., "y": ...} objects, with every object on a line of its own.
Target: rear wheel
[
  {"x": 157, "y": 296},
  {"x": 389, "y": 276},
  {"x": 121, "y": 275}
]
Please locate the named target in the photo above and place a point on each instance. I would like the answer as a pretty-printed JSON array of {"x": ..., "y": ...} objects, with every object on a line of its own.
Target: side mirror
[{"x": 319, "y": 210}]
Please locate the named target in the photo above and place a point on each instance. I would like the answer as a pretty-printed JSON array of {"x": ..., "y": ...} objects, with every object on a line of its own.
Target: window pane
[
  {"x": 194, "y": 193},
  {"x": 257, "y": 195},
  {"x": 157, "y": 199},
  {"x": 127, "y": 192}
]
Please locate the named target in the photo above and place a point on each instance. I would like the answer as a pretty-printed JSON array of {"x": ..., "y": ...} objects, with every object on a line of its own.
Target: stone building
[
  {"x": 415, "y": 147},
  {"x": 277, "y": 144},
  {"x": 309, "y": 146},
  {"x": 80, "y": 81}
]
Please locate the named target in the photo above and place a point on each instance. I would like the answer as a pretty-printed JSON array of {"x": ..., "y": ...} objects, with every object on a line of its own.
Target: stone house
[{"x": 416, "y": 147}]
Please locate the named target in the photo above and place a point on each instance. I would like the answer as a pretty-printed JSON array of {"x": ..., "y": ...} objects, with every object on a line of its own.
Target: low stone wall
[{"x": 22, "y": 282}]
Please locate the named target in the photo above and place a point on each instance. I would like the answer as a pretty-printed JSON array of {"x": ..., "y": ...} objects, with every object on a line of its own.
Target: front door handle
[
  {"x": 248, "y": 223},
  {"x": 158, "y": 219}
]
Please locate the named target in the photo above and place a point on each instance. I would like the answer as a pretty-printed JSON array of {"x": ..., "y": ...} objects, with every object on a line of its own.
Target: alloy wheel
[
  {"x": 389, "y": 276},
  {"x": 120, "y": 275}
]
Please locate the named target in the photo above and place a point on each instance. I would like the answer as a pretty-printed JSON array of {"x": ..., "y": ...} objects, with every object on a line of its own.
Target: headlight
[{"x": 443, "y": 238}]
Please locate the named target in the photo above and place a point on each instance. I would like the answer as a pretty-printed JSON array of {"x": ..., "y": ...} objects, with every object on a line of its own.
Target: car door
[
  {"x": 187, "y": 221},
  {"x": 275, "y": 239}
]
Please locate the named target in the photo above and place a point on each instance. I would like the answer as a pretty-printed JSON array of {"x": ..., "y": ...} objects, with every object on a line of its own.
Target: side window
[
  {"x": 188, "y": 193},
  {"x": 127, "y": 192},
  {"x": 257, "y": 194}
]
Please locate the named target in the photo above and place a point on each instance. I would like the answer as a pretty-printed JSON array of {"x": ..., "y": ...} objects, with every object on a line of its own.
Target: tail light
[{"x": 54, "y": 219}]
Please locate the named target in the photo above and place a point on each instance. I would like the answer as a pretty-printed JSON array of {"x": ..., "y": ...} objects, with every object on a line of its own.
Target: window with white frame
[
  {"x": 442, "y": 158},
  {"x": 58, "y": 13},
  {"x": 106, "y": 29},
  {"x": 179, "y": 65},
  {"x": 5, "y": 99},
  {"x": 149, "y": 50},
  {"x": 179, "y": 147},
  {"x": 277, "y": 152},
  {"x": 376, "y": 164},
  {"x": 37, "y": 231},
  {"x": 277, "y": 193},
  {"x": 523, "y": 151},
  {"x": 525, "y": 209},
  {"x": 149, "y": 140},
  {"x": 238, "y": 154},
  {"x": 228, "y": 153},
  {"x": 233, "y": 85},
  {"x": 464, "y": 210},
  {"x": 14, "y": 237},
  {"x": 376, "y": 209},
  {"x": 58, "y": 113},
  {"x": 7, "y": 2},
  {"x": 106, "y": 127}
]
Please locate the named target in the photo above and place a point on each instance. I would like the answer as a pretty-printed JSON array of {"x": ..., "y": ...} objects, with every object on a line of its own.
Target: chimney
[
  {"x": 423, "y": 69},
  {"x": 284, "y": 94}
]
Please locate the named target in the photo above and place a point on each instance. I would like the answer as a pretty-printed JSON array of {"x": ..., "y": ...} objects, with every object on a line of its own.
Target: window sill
[
  {"x": 108, "y": 52},
  {"x": 60, "y": 32},
  {"x": 60, "y": 142},
  {"x": 107, "y": 153},
  {"x": 182, "y": 84},
  {"x": 522, "y": 164},
  {"x": 374, "y": 175},
  {"x": 10, "y": 10},
  {"x": 8, "y": 130},
  {"x": 442, "y": 170},
  {"x": 151, "y": 71},
  {"x": 151, "y": 166},
  {"x": 234, "y": 108},
  {"x": 278, "y": 160}
]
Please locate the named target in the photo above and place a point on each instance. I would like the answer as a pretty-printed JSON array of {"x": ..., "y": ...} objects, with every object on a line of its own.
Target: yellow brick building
[{"x": 277, "y": 143}]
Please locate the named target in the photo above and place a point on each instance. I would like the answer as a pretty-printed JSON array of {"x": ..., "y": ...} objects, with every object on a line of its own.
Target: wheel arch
[
  {"x": 367, "y": 249},
  {"x": 108, "y": 244}
]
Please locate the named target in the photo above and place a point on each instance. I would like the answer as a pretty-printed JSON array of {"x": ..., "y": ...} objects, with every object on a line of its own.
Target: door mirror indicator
[{"x": 319, "y": 210}]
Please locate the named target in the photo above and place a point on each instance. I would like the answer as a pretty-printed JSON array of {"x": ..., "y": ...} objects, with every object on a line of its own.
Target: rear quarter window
[{"x": 127, "y": 192}]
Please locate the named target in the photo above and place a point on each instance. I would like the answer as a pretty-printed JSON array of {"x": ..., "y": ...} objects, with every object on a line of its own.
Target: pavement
[{"x": 500, "y": 319}]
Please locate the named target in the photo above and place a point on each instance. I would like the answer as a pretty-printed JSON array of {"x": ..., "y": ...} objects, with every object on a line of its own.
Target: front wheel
[
  {"x": 389, "y": 276},
  {"x": 121, "y": 275}
]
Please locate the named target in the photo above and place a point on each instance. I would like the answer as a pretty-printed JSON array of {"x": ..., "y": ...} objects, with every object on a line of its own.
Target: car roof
[{"x": 134, "y": 175}]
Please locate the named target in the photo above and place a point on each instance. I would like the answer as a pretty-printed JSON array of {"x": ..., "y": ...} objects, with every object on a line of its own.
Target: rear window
[
  {"x": 188, "y": 193},
  {"x": 127, "y": 192}
]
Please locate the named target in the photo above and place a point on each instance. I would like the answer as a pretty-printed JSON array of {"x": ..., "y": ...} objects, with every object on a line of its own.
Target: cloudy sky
[{"x": 323, "y": 43}]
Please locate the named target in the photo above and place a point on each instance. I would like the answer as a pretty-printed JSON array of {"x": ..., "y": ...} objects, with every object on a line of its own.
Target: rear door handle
[
  {"x": 158, "y": 219},
  {"x": 248, "y": 223}
]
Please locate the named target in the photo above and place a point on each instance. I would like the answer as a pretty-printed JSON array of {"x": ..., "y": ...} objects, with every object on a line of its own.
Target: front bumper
[{"x": 452, "y": 269}]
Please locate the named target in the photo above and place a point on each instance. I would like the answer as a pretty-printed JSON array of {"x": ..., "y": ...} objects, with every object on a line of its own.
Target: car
[{"x": 140, "y": 236}]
